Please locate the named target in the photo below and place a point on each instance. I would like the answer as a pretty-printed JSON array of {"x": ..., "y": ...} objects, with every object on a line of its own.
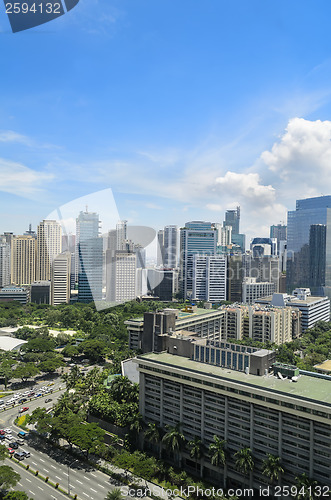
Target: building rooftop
[
  {"x": 183, "y": 315},
  {"x": 309, "y": 388},
  {"x": 326, "y": 366}
]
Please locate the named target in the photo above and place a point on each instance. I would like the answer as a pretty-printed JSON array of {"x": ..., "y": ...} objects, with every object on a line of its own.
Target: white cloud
[
  {"x": 18, "y": 179},
  {"x": 301, "y": 160},
  {"x": 11, "y": 136},
  {"x": 246, "y": 187}
]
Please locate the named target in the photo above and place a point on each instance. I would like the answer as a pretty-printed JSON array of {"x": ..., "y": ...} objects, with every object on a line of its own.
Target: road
[{"x": 60, "y": 467}]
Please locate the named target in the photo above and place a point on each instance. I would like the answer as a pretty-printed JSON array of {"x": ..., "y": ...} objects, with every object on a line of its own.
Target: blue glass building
[
  {"x": 197, "y": 237},
  {"x": 308, "y": 259}
]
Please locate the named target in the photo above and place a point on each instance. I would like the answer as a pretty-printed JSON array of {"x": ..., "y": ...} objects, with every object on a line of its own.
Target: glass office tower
[{"x": 307, "y": 243}]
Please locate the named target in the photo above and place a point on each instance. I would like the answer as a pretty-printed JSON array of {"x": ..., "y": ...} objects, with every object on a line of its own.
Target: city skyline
[{"x": 172, "y": 124}]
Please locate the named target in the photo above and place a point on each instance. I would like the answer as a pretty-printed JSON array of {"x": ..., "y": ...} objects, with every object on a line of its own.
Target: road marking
[
  {"x": 93, "y": 490},
  {"x": 93, "y": 474},
  {"x": 79, "y": 481},
  {"x": 42, "y": 489},
  {"x": 102, "y": 486},
  {"x": 57, "y": 477},
  {"x": 28, "y": 480},
  {"x": 34, "y": 463},
  {"x": 53, "y": 466},
  {"x": 86, "y": 494},
  {"x": 32, "y": 492},
  {"x": 87, "y": 478},
  {"x": 41, "y": 460},
  {"x": 46, "y": 470}
]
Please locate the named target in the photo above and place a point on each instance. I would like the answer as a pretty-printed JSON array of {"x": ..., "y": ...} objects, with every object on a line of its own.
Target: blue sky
[{"x": 183, "y": 108}]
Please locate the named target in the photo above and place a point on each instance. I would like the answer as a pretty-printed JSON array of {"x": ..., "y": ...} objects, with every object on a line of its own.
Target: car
[
  {"x": 13, "y": 445},
  {"x": 2, "y": 437},
  {"x": 48, "y": 400},
  {"x": 31, "y": 394},
  {"x": 26, "y": 453},
  {"x": 11, "y": 451},
  {"x": 23, "y": 400},
  {"x": 7, "y": 429},
  {"x": 20, "y": 441},
  {"x": 19, "y": 455},
  {"x": 25, "y": 408},
  {"x": 38, "y": 395},
  {"x": 52, "y": 383},
  {"x": 21, "y": 434},
  {"x": 2, "y": 432}
]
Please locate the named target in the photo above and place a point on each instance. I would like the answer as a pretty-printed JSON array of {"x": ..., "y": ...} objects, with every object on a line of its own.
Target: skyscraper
[
  {"x": 4, "y": 262},
  {"x": 209, "y": 278},
  {"x": 170, "y": 247},
  {"x": 279, "y": 232},
  {"x": 122, "y": 284},
  {"x": 121, "y": 234},
  {"x": 60, "y": 290},
  {"x": 232, "y": 218},
  {"x": 197, "y": 237},
  {"x": 302, "y": 261},
  {"x": 49, "y": 245},
  {"x": 89, "y": 257},
  {"x": 317, "y": 258},
  {"x": 160, "y": 248},
  {"x": 23, "y": 260}
]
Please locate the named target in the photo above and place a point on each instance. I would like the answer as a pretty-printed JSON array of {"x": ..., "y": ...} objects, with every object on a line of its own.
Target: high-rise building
[
  {"x": 170, "y": 247},
  {"x": 209, "y": 278},
  {"x": 160, "y": 248},
  {"x": 253, "y": 290},
  {"x": 232, "y": 218},
  {"x": 317, "y": 258},
  {"x": 121, "y": 286},
  {"x": 49, "y": 245},
  {"x": 235, "y": 278},
  {"x": 309, "y": 212},
  {"x": 197, "y": 237},
  {"x": 89, "y": 257},
  {"x": 279, "y": 232},
  {"x": 264, "y": 269},
  {"x": 4, "y": 262},
  {"x": 23, "y": 260},
  {"x": 121, "y": 234},
  {"x": 61, "y": 279}
]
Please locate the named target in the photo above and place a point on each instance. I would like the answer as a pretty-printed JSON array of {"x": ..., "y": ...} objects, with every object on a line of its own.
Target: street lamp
[{"x": 69, "y": 465}]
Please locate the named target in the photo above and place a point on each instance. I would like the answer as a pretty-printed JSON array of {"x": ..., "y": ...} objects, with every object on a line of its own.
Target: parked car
[
  {"x": 22, "y": 400},
  {"x": 11, "y": 451},
  {"x": 21, "y": 434},
  {"x": 19, "y": 455},
  {"x": 48, "y": 400},
  {"x": 31, "y": 394},
  {"x": 26, "y": 453},
  {"x": 25, "y": 408},
  {"x": 38, "y": 395},
  {"x": 2, "y": 432},
  {"x": 20, "y": 441},
  {"x": 13, "y": 445}
]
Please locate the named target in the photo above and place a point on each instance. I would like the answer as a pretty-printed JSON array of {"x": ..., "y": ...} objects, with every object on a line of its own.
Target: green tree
[
  {"x": 217, "y": 455},
  {"x": 196, "y": 450},
  {"x": 244, "y": 461},
  {"x": 6, "y": 371},
  {"x": 93, "y": 349},
  {"x": 42, "y": 419},
  {"x": 174, "y": 440},
  {"x": 8, "y": 477},
  {"x": 16, "y": 495},
  {"x": 153, "y": 434},
  {"x": 306, "y": 487},
  {"x": 50, "y": 365},
  {"x": 25, "y": 371},
  {"x": 87, "y": 437},
  {"x": 115, "y": 494},
  {"x": 271, "y": 468},
  {"x": 73, "y": 377}
]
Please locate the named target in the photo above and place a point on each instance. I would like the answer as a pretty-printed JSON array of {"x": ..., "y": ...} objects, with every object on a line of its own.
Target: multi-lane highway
[{"x": 60, "y": 467}]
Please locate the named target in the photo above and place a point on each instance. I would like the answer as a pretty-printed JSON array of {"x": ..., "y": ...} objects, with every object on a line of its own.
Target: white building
[
  {"x": 60, "y": 289},
  {"x": 209, "y": 278},
  {"x": 122, "y": 273},
  {"x": 4, "y": 263},
  {"x": 49, "y": 245},
  {"x": 253, "y": 290},
  {"x": 313, "y": 309}
]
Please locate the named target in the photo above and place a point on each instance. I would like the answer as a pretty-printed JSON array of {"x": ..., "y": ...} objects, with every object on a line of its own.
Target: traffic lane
[
  {"x": 34, "y": 487},
  {"x": 83, "y": 478}
]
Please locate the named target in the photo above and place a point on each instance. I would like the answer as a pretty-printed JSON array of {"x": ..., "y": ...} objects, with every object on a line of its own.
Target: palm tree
[
  {"x": 306, "y": 487},
  {"x": 217, "y": 454},
  {"x": 196, "y": 450},
  {"x": 174, "y": 440},
  {"x": 153, "y": 434},
  {"x": 115, "y": 494},
  {"x": 244, "y": 462},
  {"x": 272, "y": 468}
]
